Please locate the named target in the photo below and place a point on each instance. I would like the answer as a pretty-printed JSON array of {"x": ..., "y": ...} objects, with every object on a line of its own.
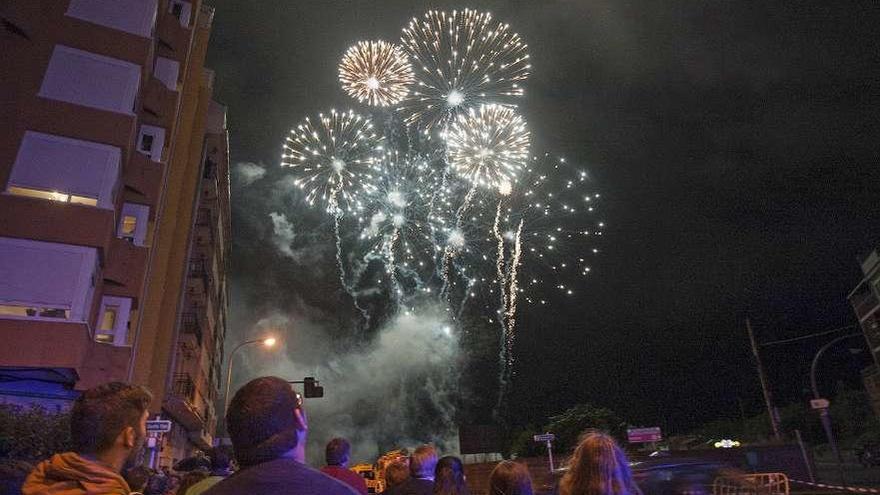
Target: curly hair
[{"x": 598, "y": 467}]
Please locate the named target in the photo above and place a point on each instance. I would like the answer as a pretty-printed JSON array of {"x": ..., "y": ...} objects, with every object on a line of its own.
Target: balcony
[
  {"x": 143, "y": 180},
  {"x": 53, "y": 221},
  {"x": 190, "y": 324},
  {"x": 126, "y": 265},
  {"x": 172, "y": 38},
  {"x": 44, "y": 344},
  {"x": 159, "y": 105},
  {"x": 180, "y": 403}
]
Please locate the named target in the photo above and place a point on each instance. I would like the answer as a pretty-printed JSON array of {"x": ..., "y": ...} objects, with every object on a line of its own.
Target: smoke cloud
[
  {"x": 249, "y": 172},
  {"x": 393, "y": 391}
]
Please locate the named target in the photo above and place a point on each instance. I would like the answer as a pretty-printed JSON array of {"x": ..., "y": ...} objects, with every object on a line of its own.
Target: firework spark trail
[
  {"x": 391, "y": 265},
  {"x": 500, "y": 268},
  {"x": 455, "y": 240},
  {"x": 333, "y": 207},
  {"x": 513, "y": 291}
]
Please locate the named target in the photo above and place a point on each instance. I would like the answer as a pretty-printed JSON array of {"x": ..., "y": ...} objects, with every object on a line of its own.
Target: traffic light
[{"x": 312, "y": 387}]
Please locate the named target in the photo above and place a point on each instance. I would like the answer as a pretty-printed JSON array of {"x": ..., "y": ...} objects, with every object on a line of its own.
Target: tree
[
  {"x": 32, "y": 434},
  {"x": 569, "y": 425}
]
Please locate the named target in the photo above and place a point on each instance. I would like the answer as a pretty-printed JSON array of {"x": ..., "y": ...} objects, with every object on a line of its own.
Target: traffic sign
[
  {"x": 158, "y": 426},
  {"x": 819, "y": 403},
  {"x": 546, "y": 437},
  {"x": 644, "y": 435}
]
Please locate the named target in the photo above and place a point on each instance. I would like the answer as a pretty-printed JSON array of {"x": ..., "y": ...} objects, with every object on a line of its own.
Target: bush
[{"x": 32, "y": 434}]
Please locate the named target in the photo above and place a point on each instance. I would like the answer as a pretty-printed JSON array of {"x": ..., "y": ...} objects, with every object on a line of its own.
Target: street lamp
[
  {"x": 823, "y": 411},
  {"x": 268, "y": 342}
]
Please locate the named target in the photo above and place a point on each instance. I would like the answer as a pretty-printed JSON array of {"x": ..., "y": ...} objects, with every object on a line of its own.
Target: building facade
[
  {"x": 108, "y": 129},
  {"x": 865, "y": 300}
]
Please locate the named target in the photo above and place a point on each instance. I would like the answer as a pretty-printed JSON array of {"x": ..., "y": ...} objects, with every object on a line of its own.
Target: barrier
[
  {"x": 752, "y": 484},
  {"x": 850, "y": 489}
]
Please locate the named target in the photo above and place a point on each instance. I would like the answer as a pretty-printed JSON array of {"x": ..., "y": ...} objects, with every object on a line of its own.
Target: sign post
[
  {"x": 644, "y": 435},
  {"x": 548, "y": 439},
  {"x": 155, "y": 429}
]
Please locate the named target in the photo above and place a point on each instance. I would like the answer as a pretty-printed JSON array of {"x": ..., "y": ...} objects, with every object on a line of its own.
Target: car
[{"x": 678, "y": 476}]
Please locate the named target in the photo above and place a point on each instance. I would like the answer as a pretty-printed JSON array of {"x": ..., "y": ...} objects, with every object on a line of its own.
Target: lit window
[
  {"x": 52, "y": 196},
  {"x": 133, "y": 224},
  {"x": 128, "y": 224},
  {"x": 113, "y": 322},
  {"x": 44, "y": 280},
  {"x": 62, "y": 169}
]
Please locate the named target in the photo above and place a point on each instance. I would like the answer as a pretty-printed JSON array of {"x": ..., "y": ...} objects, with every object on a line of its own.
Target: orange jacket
[{"x": 70, "y": 474}]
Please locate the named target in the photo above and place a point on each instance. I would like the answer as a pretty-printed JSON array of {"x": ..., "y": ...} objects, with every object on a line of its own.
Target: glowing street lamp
[{"x": 266, "y": 341}]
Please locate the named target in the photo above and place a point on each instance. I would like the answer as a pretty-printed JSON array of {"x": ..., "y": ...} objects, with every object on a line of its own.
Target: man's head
[
  {"x": 423, "y": 461},
  {"x": 396, "y": 473},
  {"x": 110, "y": 419},
  {"x": 265, "y": 422},
  {"x": 338, "y": 452},
  {"x": 221, "y": 460}
]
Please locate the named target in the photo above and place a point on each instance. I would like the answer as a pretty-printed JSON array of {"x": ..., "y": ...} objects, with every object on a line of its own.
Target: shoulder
[{"x": 278, "y": 476}]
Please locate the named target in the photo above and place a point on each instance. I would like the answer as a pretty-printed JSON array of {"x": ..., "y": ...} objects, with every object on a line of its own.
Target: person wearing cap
[{"x": 268, "y": 429}]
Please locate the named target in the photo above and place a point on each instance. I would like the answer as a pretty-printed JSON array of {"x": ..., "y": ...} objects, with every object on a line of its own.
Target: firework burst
[
  {"x": 376, "y": 73},
  {"x": 488, "y": 147},
  {"x": 333, "y": 158},
  {"x": 461, "y": 59}
]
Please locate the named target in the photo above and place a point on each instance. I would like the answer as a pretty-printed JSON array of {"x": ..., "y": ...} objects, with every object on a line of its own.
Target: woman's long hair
[
  {"x": 510, "y": 478},
  {"x": 449, "y": 477},
  {"x": 598, "y": 467}
]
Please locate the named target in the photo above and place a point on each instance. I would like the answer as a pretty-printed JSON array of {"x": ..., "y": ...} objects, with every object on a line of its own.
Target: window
[
  {"x": 181, "y": 10},
  {"x": 133, "y": 224},
  {"x": 167, "y": 71},
  {"x": 151, "y": 139},
  {"x": 56, "y": 168},
  {"x": 91, "y": 80},
  {"x": 132, "y": 16},
  {"x": 113, "y": 320},
  {"x": 45, "y": 280}
]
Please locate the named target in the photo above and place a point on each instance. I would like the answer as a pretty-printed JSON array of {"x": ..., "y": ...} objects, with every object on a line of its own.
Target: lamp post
[
  {"x": 268, "y": 342},
  {"x": 823, "y": 411}
]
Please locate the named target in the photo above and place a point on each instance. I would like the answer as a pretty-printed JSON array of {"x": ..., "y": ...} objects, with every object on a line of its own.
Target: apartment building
[
  {"x": 865, "y": 300},
  {"x": 108, "y": 129}
]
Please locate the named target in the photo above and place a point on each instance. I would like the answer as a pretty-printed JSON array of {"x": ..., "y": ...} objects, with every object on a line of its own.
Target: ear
[
  {"x": 302, "y": 421},
  {"x": 129, "y": 437}
]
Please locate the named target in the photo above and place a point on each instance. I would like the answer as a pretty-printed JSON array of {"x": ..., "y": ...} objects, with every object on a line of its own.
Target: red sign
[{"x": 644, "y": 435}]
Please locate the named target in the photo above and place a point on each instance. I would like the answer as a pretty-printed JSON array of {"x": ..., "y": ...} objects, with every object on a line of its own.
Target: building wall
[{"x": 106, "y": 110}]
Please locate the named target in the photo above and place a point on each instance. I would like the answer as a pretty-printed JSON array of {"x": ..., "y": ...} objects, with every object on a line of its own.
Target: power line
[{"x": 804, "y": 337}]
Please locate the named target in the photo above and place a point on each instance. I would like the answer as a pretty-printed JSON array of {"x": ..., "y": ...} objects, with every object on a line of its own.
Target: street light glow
[{"x": 269, "y": 342}]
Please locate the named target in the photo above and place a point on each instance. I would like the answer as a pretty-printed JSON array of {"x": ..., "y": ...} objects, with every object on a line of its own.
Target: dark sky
[{"x": 736, "y": 146}]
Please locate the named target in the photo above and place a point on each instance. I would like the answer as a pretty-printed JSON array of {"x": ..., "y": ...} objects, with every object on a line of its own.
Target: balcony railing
[
  {"x": 864, "y": 302},
  {"x": 190, "y": 323},
  {"x": 184, "y": 388}
]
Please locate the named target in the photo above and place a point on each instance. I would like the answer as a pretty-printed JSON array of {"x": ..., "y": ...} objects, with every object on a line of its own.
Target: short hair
[
  {"x": 220, "y": 457},
  {"x": 510, "y": 478},
  {"x": 337, "y": 452},
  {"x": 101, "y": 413},
  {"x": 260, "y": 420},
  {"x": 423, "y": 461},
  {"x": 396, "y": 473}
]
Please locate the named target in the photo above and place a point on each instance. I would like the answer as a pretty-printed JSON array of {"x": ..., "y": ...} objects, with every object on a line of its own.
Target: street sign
[
  {"x": 819, "y": 403},
  {"x": 546, "y": 437},
  {"x": 644, "y": 435},
  {"x": 158, "y": 426}
]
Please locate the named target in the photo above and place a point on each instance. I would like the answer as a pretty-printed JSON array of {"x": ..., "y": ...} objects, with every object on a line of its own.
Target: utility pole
[{"x": 768, "y": 397}]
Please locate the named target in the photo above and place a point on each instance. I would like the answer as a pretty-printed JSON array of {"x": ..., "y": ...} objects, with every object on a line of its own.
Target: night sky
[{"x": 735, "y": 145}]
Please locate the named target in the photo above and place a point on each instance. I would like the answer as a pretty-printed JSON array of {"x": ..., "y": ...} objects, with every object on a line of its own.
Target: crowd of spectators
[{"x": 268, "y": 427}]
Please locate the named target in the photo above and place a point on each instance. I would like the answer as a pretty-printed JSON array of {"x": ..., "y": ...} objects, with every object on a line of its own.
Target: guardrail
[{"x": 752, "y": 484}]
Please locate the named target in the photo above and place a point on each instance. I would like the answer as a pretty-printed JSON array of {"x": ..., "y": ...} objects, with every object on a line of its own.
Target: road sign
[
  {"x": 819, "y": 403},
  {"x": 546, "y": 437},
  {"x": 158, "y": 426},
  {"x": 644, "y": 435}
]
